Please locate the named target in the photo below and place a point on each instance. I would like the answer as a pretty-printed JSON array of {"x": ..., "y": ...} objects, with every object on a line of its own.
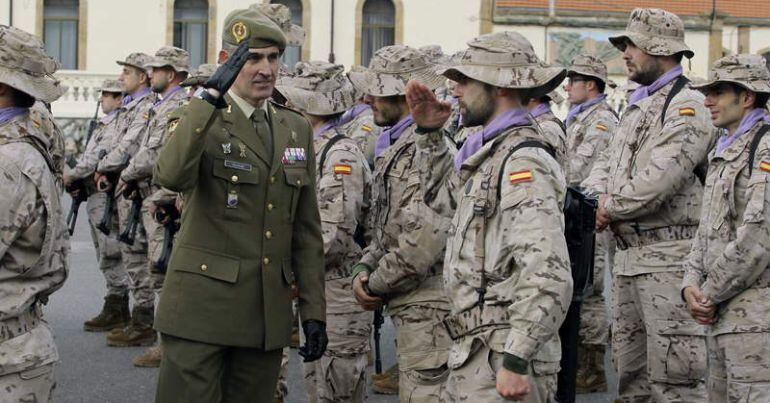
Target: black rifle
[
  {"x": 79, "y": 187},
  {"x": 109, "y": 207},
  {"x": 93, "y": 123},
  {"x": 378, "y": 321},
  {"x": 168, "y": 215},
  {"x": 579, "y": 231},
  {"x": 128, "y": 236}
]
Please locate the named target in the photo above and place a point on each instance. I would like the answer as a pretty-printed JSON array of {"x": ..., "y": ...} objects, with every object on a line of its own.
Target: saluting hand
[
  {"x": 427, "y": 111},
  {"x": 224, "y": 77}
]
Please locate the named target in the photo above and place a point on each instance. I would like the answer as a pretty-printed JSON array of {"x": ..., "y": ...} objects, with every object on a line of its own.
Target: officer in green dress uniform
[{"x": 250, "y": 229}]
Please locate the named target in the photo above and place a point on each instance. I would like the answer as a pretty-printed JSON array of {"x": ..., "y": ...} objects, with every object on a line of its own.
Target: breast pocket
[
  {"x": 755, "y": 194},
  {"x": 241, "y": 182},
  {"x": 296, "y": 179}
]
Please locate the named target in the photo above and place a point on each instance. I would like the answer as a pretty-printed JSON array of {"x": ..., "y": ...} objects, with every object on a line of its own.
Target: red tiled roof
[{"x": 733, "y": 8}]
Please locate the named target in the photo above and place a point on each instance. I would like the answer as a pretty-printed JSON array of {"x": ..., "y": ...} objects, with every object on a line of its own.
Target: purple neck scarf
[
  {"x": 646, "y": 90},
  {"x": 9, "y": 113},
  {"x": 163, "y": 98},
  {"x": 391, "y": 135},
  {"x": 346, "y": 118},
  {"x": 540, "y": 110},
  {"x": 137, "y": 95},
  {"x": 747, "y": 123},
  {"x": 512, "y": 117},
  {"x": 581, "y": 107}
]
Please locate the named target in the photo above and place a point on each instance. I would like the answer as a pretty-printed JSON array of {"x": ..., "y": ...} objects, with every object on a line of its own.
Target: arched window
[
  {"x": 378, "y": 27},
  {"x": 292, "y": 54},
  {"x": 60, "y": 31},
  {"x": 191, "y": 19}
]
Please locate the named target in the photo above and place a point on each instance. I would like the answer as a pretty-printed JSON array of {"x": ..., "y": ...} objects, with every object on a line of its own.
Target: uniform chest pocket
[
  {"x": 756, "y": 198},
  {"x": 295, "y": 179},
  {"x": 723, "y": 198},
  {"x": 239, "y": 182}
]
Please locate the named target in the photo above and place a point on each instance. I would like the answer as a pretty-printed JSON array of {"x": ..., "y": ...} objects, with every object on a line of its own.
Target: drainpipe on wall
[
  {"x": 10, "y": 13},
  {"x": 331, "y": 39}
]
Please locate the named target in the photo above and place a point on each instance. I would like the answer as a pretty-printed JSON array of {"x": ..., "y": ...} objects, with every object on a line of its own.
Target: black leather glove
[
  {"x": 315, "y": 340},
  {"x": 223, "y": 78}
]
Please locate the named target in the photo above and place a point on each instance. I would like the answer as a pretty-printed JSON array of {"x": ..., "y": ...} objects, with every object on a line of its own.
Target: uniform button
[
  {"x": 268, "y": 234},
  {"x": 204, "y": 267},
  {"x": 266, "y": 261},
  {"x": 299, "y": 182},
  {"x": 272, "y": 179},
  {"x": 269, "y": 206},
  {"x": 234, "y": 178},
  {"x": 198, "y": 130}
]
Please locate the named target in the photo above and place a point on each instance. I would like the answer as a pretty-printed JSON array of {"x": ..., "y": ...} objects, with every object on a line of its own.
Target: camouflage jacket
[
  {"x": 648, "y": 172},
  {"x": 34, "y": 243},
  {"x": 42, "y": 118},
  {"x": 98, "y": 144},
  {"x": 363, "y": 130},
  {"x": 587, "y": 136},
  {"x": 517, "y": 240},
  {"x": 553, "y": 133},
  {"x": 343, "y": 187},
  {"x": 731, "y": 252},
  {"x": 134, "y": 117},
  {"x": 408, "y": 241}
]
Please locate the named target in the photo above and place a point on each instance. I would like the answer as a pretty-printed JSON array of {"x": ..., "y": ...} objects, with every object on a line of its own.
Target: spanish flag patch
[
  {"x": 366, "y": 128},
  {"x": 601, "y": 127},
  {"x": 686, "y": 112},
  {"x": 520, "y": 176},
  {"x": 343, "y": 169},
  {"x": 765, "y": 166}
]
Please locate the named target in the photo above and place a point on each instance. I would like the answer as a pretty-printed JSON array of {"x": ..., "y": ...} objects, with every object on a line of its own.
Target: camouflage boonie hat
[
  {"x": 391, "y": 68},
  {"x": 136, "y": 60},
  {"x": 505, "y": 60},
  {"x": 656, "y": 32},
  {"x": 200, "y": 75},
  {"x": 748, "y": 71},
  {"x": 176, "y": 58},
  {"x": 587, "y": 65},
  {"x": 281, "y": 16},
  {"x": 435, "y": 54},
  {"x": 253, "y": 26},
  {"x": 318, "y": 88},
  {"x": 111, "y": 85},
  {"x": 25, "y": 66}
]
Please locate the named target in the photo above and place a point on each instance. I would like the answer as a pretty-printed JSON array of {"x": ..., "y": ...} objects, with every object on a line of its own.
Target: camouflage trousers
[
  {"x": 739, "y": 367},
  {"x": 156, "y": 233},
  {"x": 340, "y": 375},
  {"x": 658, "y": 350},
  {"x": 107, "y": 246},
  {"x": 32, "y": 385},
  {"x": 422, "y": 350},
  {"x": 282, "y": 388},
  {"x": 135, "y": 259},
  {"x": 476, "y": 380},
  {"x": 594, "y": 323}
]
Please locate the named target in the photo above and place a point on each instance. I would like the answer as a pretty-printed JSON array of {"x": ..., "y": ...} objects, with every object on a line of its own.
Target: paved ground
[{"x": 92, "y": 372}]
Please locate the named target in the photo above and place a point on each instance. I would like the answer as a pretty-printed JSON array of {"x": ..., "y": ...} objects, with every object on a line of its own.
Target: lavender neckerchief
[
  {"x": 346, "y": 118},
  {"x": 575, "y": 110},
  {"x": 646, "y": 90},
  {"x": 11, "y": 112},
  {"x": 747, "y": 123},
  {"x": 512, "y": 117},
  {"x": 391, "y": 134},
  {"x": 331, "y": 124},
  {"x": 168, "y": 95},
  {"x": 541, "y": 109},
  {"x": 136, "y": 95}
]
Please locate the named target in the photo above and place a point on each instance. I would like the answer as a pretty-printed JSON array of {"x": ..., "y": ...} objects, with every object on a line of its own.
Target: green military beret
[{"x": 253, "y": 26}]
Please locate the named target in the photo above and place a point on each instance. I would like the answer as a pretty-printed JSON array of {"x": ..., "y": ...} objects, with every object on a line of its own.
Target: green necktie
[{"x": 259, "y": 119}]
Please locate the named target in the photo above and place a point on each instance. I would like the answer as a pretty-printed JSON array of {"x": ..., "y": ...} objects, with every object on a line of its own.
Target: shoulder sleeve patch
[
  {"x": 686, "y": 112},
  {"x": 343, "y": 169},
  {"x": 520, "y": 176},
  {"x": 765, "y": 166},
  {"x": 602, "y": 127},
  {"x": 366, "y": 128}
]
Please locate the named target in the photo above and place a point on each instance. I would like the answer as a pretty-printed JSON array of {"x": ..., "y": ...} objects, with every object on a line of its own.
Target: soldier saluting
[{"x": 250, "y": 229}]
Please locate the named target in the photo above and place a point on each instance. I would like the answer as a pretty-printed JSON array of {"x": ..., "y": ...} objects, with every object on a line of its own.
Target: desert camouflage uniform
[
  {"x": 33, "y": 259},
  {"x": 405, "y": 253},
  {"x": 730, "y": 255},
  {"x": 654, "y": 195},
  {"x": 363, "y": 130},
  {"x": 553, "y": 133},
  {"x": 107, "y": 246},
  {"x": 50, "y": 130}
]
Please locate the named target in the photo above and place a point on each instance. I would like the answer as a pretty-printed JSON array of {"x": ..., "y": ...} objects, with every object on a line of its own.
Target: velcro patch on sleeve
[
  {"x": 765, "y": 166},
  {"x": 343, "y": 169},
  {"x": 686, "y": 112},
  {"x": 602, "y": 127},
  {"x": 366, "y": 128},
  {"x": 520, "y": 176}
]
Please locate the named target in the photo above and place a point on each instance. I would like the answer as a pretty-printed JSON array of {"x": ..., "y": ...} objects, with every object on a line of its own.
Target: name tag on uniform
[
  {"x": 241, "y": 166},
  {"x": 293, "y": 155}
]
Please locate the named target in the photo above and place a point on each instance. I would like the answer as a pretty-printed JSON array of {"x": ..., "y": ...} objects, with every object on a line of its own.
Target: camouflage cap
[
  {"x": 176, "y": 58},
  {"x": 281, "y": 16},
  {"x": 748, "y": 71},
  {"x": 253, "y": 26},
  {"x": 391, "y": 68},
  {"x": 506, "y": 60},
  {"x": 200, "y": 75},
  {"x": 318, "y": 88},
  {"x": 435, "y": 54},
  {"x": 25, "y": 66},
  {"x": 587, "y": 65},
  {"x": 111, "y": 85},
  {"x": 136, "y": 60},
  {"x": 656, "y": 32}
]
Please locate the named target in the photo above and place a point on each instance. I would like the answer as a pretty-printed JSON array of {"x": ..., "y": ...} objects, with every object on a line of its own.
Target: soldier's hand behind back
[
  {"x": 315, "y": 340},
  {"x": 224, "y": 77}
]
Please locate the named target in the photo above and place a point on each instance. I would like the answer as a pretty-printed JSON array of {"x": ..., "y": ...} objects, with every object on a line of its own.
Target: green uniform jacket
[{"x": 250, "y": 228}]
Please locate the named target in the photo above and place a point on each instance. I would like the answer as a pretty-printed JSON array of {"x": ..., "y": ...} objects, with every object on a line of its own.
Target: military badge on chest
[{"x": 293, "y": 155}]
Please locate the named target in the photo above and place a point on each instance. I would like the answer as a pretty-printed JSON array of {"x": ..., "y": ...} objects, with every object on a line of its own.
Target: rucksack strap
[
  {"x": 755, "y": 144},
  {"x": 679, "y": 85},
  {"x": 517, "y": 147},
  {"x": 325, "y": 152}
]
